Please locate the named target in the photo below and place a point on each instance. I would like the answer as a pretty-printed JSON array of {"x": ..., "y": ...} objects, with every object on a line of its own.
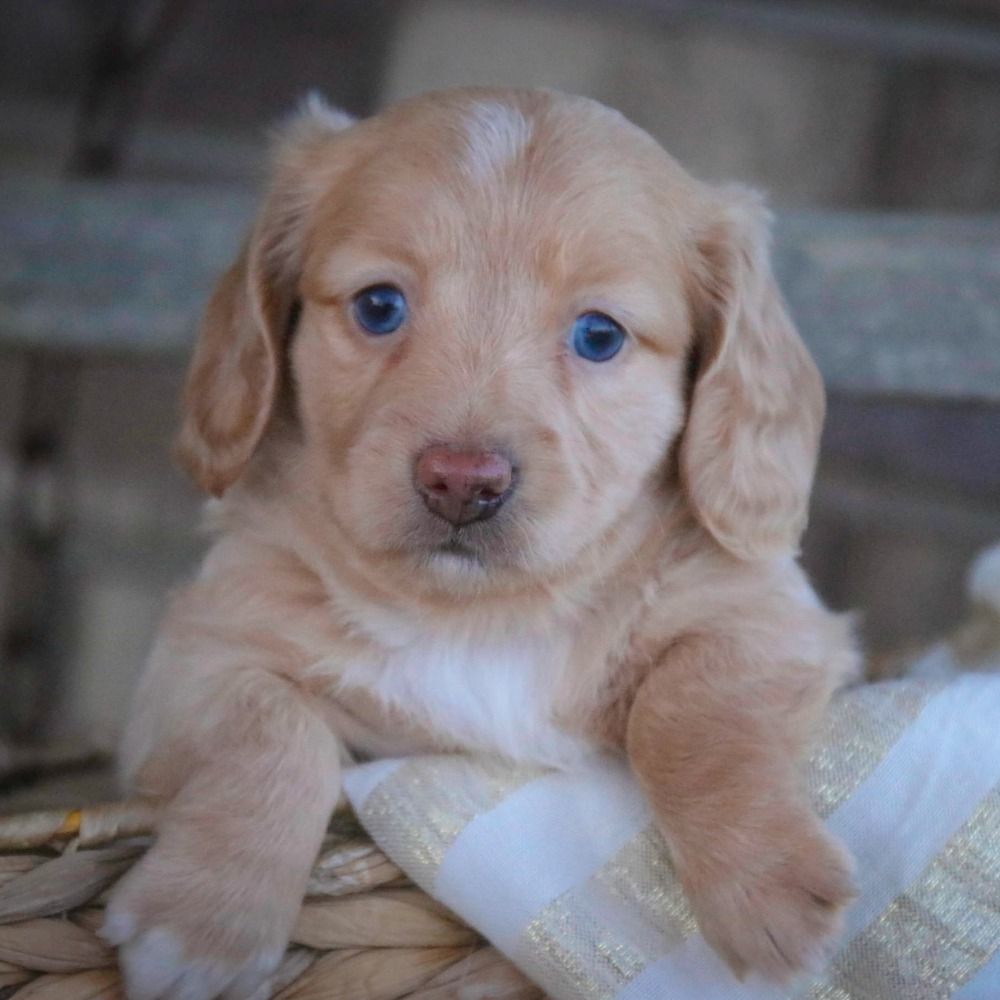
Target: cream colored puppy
[{"x": 514, "y": 442}]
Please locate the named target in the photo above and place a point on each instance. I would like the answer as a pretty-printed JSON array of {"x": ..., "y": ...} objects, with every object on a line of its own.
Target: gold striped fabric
[{"x": 907, "y": 773}]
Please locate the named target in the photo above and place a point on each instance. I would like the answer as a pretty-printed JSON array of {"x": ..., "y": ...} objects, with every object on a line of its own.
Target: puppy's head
[{"x": 518, "y": 325}]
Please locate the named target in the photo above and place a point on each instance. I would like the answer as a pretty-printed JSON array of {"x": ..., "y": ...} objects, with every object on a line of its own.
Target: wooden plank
[
  {"x": 913, "y": 31},
  {"x": 894, "y": 305},
  {"x": 117, "y": 267}
]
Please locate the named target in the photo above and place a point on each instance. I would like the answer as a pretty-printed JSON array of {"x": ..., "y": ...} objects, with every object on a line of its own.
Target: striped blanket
[{"x": 565, "y": 874}]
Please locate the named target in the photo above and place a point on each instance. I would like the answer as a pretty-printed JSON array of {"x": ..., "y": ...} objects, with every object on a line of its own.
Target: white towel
[{"x": 564, "y": 873}]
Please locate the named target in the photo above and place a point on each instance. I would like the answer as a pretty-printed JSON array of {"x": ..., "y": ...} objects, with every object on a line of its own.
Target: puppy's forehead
[
  {"x": 529, "y": 136},
  {"x": 445, "y": 176},
  {"x": 496, "y": 134}
]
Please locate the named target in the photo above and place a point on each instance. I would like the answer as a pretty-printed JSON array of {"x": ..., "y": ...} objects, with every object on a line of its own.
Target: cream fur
[
  {"x": 496, "y": 134},
  {"x": 638, "y": 591},
  {"x": 495, "y": 697}
]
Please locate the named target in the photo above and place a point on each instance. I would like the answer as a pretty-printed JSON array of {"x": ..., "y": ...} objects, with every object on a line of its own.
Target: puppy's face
[
  {"x": 488, "y": 289},
  {"x": 501, "y": 298}
]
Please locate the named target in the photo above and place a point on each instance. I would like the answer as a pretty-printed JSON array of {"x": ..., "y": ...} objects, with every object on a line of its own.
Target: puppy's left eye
[
  {"x": 380, "y": 309},
  {"x": 596, "y": 337}
]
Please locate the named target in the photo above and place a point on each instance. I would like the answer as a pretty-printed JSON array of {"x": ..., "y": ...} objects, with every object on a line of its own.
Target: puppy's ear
[
  {"x": 235, "y": 372},
  {"x": 748, "y": 452}
]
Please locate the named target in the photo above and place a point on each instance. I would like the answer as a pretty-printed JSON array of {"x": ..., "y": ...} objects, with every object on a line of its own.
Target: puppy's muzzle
[{"x": 463, "y": 486}]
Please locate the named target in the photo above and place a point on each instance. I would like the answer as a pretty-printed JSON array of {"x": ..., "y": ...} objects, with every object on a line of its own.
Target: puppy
[{"x": 513, "y": 441}]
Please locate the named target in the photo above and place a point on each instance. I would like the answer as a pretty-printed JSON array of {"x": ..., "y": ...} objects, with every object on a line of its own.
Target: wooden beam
[{"x": 891, "y": 304}]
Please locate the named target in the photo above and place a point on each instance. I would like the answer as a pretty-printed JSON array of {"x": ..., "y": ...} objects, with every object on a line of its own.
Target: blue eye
[
  {"x": 597, "y": 337},
  {"x": 380, "y": 309}
]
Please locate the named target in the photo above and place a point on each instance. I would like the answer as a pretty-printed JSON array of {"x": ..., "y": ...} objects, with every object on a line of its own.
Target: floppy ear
[
  {"x": 748, "y": 452},
  {"x": 235, "y": 373}
]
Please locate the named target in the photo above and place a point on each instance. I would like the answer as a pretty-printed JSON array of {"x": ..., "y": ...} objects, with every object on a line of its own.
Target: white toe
[
  {"x": 118, "y": 926},
  {"x": 151, "y": 965},
  {"x": 201, "y": 981}
]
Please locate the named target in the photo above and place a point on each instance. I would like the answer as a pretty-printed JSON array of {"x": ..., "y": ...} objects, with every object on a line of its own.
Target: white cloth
[{"x": 564, "y": 873}]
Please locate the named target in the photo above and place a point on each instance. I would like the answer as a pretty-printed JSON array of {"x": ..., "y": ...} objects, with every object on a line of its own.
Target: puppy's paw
[
  {"x": 779, "y": 914},
  {"x": 186, "y": 932}
]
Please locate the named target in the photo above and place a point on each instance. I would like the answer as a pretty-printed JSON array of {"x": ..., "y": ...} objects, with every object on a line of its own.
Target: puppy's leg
[
  {"x": 713, "y": 739},
  {"x": 208, "y": 911}
]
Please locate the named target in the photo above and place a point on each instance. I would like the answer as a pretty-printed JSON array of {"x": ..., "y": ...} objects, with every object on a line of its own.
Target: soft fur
[{"x": 638, "y": 591}]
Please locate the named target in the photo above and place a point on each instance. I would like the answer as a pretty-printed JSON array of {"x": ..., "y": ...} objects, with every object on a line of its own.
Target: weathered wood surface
[
  {"x": 115, "y": 267},
  {"x": 895, "y": 305}
]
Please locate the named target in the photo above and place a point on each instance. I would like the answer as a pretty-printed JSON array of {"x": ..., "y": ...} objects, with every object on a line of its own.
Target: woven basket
[{"x": 365, "y": 931}]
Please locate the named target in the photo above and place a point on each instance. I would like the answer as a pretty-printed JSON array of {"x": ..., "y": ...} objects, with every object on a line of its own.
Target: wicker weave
[{"x": 365, "y": 931}]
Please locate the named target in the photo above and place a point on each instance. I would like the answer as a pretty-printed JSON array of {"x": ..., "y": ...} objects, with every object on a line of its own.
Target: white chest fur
[{"x": 495, "y": 696}]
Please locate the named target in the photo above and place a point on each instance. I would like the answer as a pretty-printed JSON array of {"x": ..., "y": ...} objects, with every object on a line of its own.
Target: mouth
[
  {"x": 480, "y": 547},
  {"x": 455, "y": 547}
]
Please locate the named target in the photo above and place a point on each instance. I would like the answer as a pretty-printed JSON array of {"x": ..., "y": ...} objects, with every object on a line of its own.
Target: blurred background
[{"x": 138, "y": 129}]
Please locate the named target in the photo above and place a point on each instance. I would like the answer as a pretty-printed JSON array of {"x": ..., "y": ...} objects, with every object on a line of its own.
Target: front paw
[
  {"x": 778, "y": 909},
  {"x": 186, "y": 931}
]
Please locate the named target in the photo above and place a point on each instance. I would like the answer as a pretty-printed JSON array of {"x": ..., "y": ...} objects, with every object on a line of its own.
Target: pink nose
[{"x": 463, "y": 486}]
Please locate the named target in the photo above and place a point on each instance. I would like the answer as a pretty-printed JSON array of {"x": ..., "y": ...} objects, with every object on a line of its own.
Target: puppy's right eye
[
  {"x": 597, "y": 337},
  {"x": 380, "y": 309}
]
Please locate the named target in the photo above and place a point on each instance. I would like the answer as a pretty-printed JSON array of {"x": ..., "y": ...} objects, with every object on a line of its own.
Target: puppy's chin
[
  {"x": 472, "y": 558},
  {"x": 456, "y": 567},
  {"x": 463, "y": 556}
]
